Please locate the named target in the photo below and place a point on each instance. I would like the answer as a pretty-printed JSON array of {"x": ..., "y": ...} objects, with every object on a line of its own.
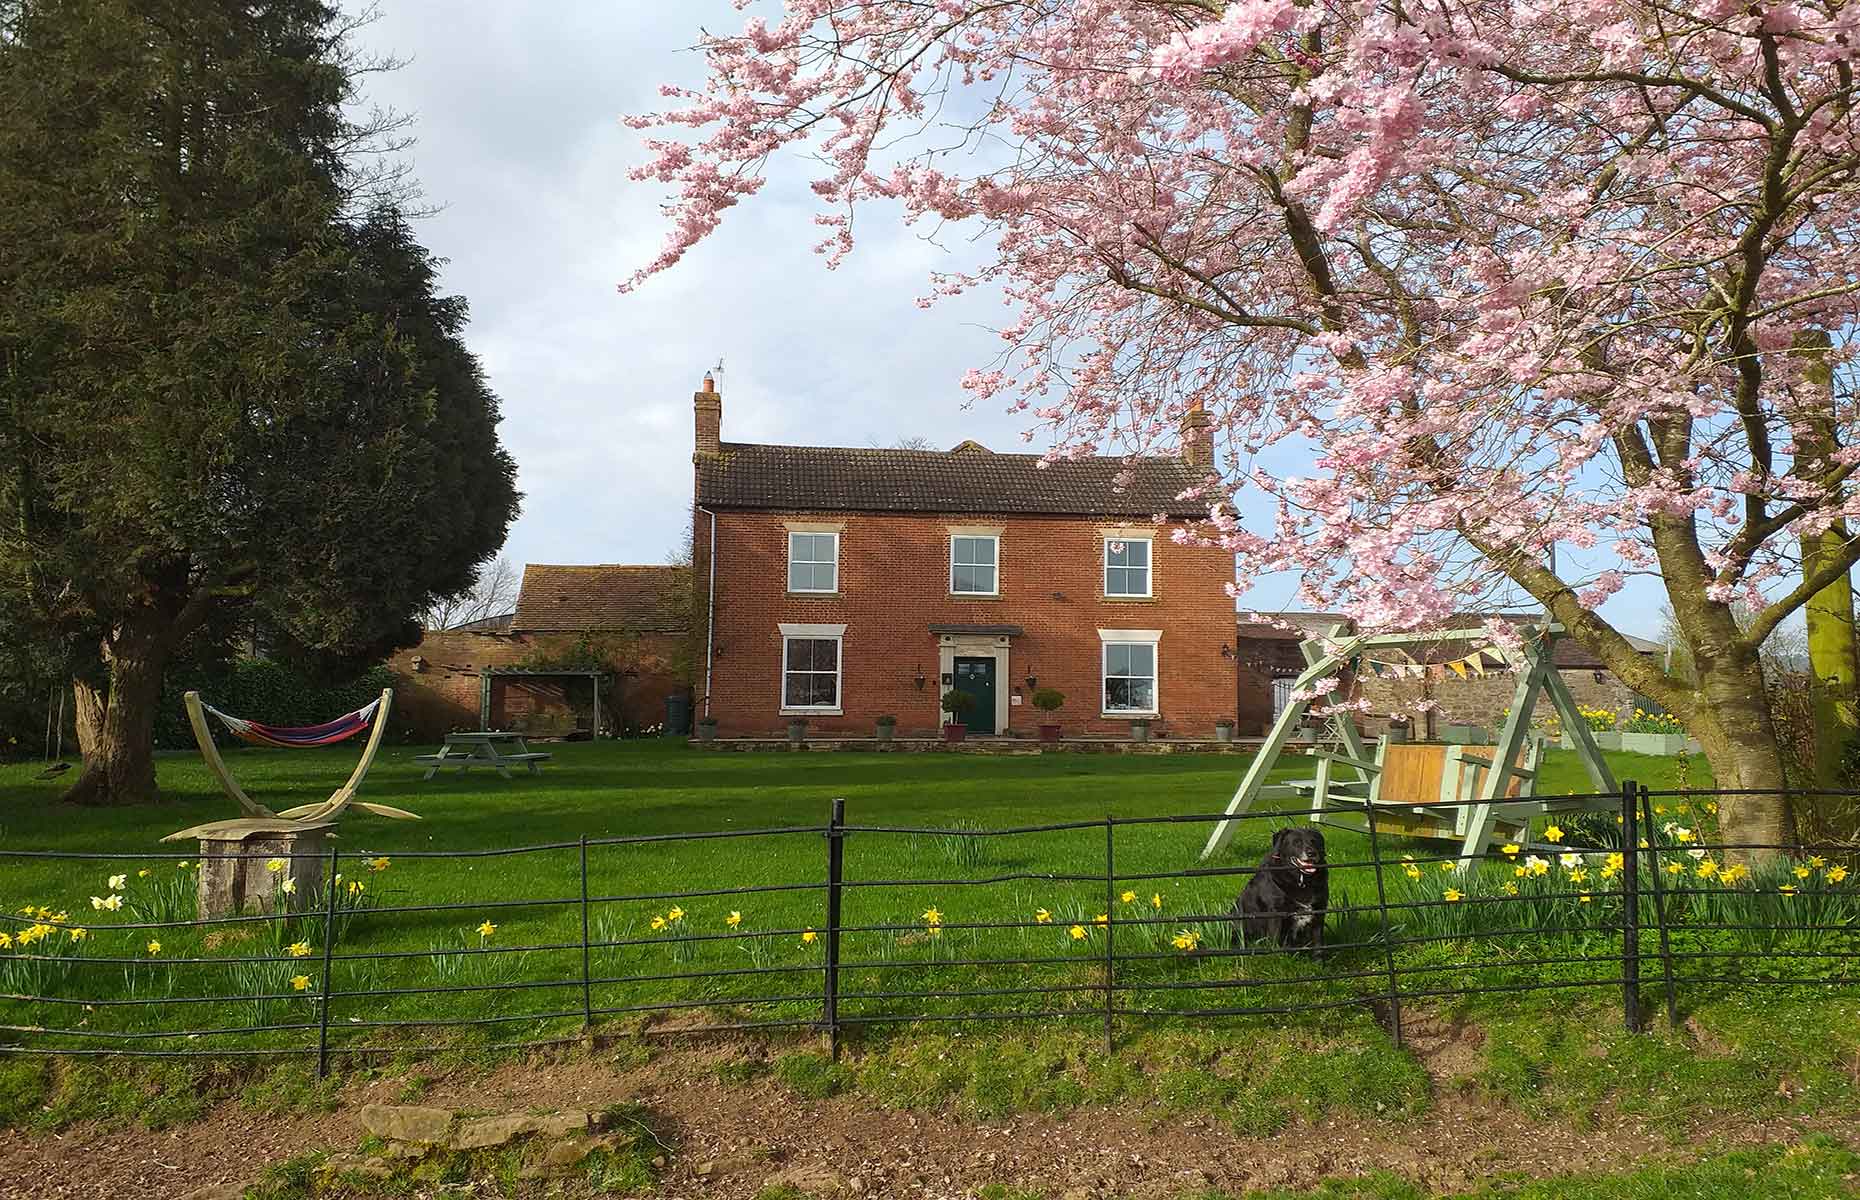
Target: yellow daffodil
[
  {"x": 486, "y": 929},
  {"x": 6, "y": 939},
  {"x": 1787, "y": 889},
  {"x": 1711, "y": 806},
  {"x": 154, "y": 947},
  {"x": 1520, "y": 872},
  {"x": 299, "y": 949},
  {"x": 143, "y": 873},
  {"x": 1101, "y": 919},
  {"x": 1511, "y": 889},
  {"x": 808, "y": 937},
  {"x": 1446, "y": 867},
  {"x": 356, "y": 887},
  {"x": 676, "y": 914},
  {"x": 1707, "y": 868},
  {"x": 1553, "y": 833},
  {"x": 1616, "y": 862},
  {"x": 1411, "y": 871},
  {"x": 1128, "y": 897},
  {"x": 300, "y": 982},
  {"x": 1042, "y": 917},
  {"x": 182, "y": 865},
  {"x": 1510, "y": 849},
  {"x": 658, "y": 923},
  {"x": 1836, "y": 873},
  {"x": 117, "y": 882},
  {"x": 1077, "y": 932},
  {"x": 274, "y": 865},
  {"x": 1685, "y": 835},
  {"x": 1620, "y": 820},
  {"x": 933, "y": 916},
  {"x": 1675, "y": 868},
  {"x": 1188, "y": 939},
  {"x": 1453, "y": 895},
  {"x": 1156, "y": 901},
  {"x": 1816, "y": 861},
  {"x": 378, "y": 864},
  {"x": 77, "y": 935},
  {"x": 1578, "y": 875},
  {"x": 734, "y": 919},
  {"x": 1735, "y": 874},
  {"x": 1802, "y": 872},
  {"x": 1584, "y": 898},
  {"x": 287, "y": 885},
  {"x": 1681, "y": 807}
]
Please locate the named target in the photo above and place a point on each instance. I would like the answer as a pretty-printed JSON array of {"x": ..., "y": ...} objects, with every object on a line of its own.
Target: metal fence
[{"x": 1622, "y": 904}]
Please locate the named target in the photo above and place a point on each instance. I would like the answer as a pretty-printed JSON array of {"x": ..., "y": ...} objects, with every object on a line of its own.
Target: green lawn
[{"x": 436, "y": 964}]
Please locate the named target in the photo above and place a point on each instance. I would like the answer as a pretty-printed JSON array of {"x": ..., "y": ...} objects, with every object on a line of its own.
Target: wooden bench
[{"x": 482, "y": 748}]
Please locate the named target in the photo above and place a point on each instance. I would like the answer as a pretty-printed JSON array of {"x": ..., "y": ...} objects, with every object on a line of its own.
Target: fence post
[
  {"x": 1630, "y": 908},
  {"x": 329, "y": 948},
  {"x": 1388, "y": 933},
  {"x": 836, "y": 861},
  {"x": 1110, "y": 934},
  {"x": 1659, "y": 914},
  {"x": 587, "y": 973}
]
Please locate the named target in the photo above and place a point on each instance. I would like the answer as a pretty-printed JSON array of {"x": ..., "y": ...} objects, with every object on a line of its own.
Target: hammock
[
  {"x": 305, "y": 817},
  {"x": 298, "y": 737}
]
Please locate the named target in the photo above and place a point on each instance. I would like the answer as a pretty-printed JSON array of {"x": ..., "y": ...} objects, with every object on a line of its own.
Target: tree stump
[{"x": 236, "y": 874}]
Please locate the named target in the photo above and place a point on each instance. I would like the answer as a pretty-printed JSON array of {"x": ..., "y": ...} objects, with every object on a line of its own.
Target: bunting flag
[{"x": 1480, "y": 662}]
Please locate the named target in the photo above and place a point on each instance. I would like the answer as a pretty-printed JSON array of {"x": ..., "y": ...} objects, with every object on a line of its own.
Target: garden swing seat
[
  {"x": 1426, "y": 790},
  {"x": 304, "y": 818}
]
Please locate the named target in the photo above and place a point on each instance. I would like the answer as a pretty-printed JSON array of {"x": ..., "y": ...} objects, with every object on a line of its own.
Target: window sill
[
  {"x": 975, "y": 595},
  {"x": 1150, "y": 599},
  {"x": 812, "y": 712},
  {"x": 1129, "y": 715},
  {"x": 793, "y": 595}
]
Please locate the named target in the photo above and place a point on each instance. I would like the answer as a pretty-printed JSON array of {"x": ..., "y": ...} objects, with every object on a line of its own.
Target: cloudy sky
[{"x": 519, "y": 139}]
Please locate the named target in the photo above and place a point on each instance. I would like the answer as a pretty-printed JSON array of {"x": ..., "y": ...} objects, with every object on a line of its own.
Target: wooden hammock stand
[{"x": 1420, "y": 789}]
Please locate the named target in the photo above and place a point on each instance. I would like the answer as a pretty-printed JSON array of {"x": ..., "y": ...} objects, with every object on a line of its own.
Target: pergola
[{"x": 486, "y": 675}]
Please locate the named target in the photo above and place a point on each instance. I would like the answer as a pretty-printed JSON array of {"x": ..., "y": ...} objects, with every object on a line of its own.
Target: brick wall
[
  {"x": 1482, "y": 701},
  {"x": 894, "y": 584},
  {"x": 443, "y": 696},
  {"x": 1259, "y": 662}
]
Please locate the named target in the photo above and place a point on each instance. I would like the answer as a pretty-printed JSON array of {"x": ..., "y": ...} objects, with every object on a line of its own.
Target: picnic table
[{"x": 483, "y": 748}]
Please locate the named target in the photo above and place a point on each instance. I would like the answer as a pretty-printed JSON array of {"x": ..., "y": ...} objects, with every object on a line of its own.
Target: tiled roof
[
  {"x": 968, "y": 479},
  {"x": 1569, "y": 653},
  {"x": 606, "y": 598}
]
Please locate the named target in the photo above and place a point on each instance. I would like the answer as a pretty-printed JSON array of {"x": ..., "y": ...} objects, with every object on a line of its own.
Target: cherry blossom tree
[{"x": 1547, "y": 295}]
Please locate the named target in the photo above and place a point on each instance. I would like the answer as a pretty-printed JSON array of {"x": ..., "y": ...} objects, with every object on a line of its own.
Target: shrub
[
  {"x": 1049, "y": 700},
  {"x": 956, "y": 703}
]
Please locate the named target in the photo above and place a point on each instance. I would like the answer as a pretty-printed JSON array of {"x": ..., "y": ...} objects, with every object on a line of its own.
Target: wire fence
[{"x": 1630, "y": 896}]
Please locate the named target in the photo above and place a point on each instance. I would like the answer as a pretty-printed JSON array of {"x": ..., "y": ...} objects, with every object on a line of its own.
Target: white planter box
[
  {"x": 1603, "y": 741},
  {"x": 1654, "y": 743}
]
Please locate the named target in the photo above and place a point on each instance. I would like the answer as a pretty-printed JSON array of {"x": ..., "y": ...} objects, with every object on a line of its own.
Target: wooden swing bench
[{"x": 1425, "y": 789}]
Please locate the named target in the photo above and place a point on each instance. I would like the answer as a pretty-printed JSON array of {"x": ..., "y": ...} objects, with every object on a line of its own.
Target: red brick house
[{"x": 835, "y": 585}]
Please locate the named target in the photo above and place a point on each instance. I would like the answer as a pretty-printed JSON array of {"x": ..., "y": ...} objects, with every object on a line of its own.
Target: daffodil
[
  {"x": 1578, "y": 875},
  {"x": 182, "y": 865},
  {"x": 1447, "y": 867},
  {"x": 1156, "y": 901},
  {"x": 109, "y": 903},
  {"x": 1787, "y": 889},
  {"x": 1042, "y": 917},
  {"x": 1585, "y": 898},
  {"x": 1453, "y": 895},
  {"x": 378, "y": 864},
  {"x": 288, "y": 885},
  {"x": 1803, "y": 872},
  {"x": 1707, "y": 868},
  {"x": 1568, "y": 860},
  {"x": 933, "y": 916},
  {"x": 1101, "y": 919},
  {"x": 1537, "y": 866},
  {"x": 154, "y": 947},
  {"x": 1187, "y": 939},
  {"x": 734, "y": 919},
  {"x": 1736, "y": 873},
  {"x": 1411, "y": 871},
  {"x": 300, "y": 982},
  {"x": 808, "y": 936},
  {"x": 1675, "y": 868},
  {"x": 1816, "y": 861},
  {"x": 1553, "y": 833},
  {"x": 143, "y": 873},
  {"x": 1077, "y": 932},
  {"x": 77, "y": 934},
  {"x": 658, "y": 923},
  {"x": 1511, "y": 889},
  {"x": 274, "y": 865},
  {"x": 1836, "y": 873},
  {"x": 299, "y": 949},
  {"x": 1616, "y": 862},
  {"x": 1128, "y": 897},
  {"x": 117, "y": 882},
  {"x": 1685, "y": 835},
  {"x": 486, "y": 929},
  {"x": 676, "y": 914},
  {"x": 1510, "y": 849},
  {"x": 356, "y": 887},
  {"x": 6, "y": 939}
]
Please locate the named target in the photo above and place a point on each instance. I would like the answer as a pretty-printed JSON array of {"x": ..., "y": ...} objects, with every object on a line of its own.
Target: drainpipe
[{"x": 710, "y": 608}]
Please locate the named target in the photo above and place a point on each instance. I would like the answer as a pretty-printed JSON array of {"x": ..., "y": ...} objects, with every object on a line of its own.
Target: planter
[
  {"x": 1654, "y": 743},
  {"x": 707, "y": 731},
  {"x": 954, "y": 732},
  {"x": 1139, "y": 731},
  {"x": 1465, "y": 735},
  {"x": 1608, "y": 740},
  {"x": 1224, "y": 732},
  {"x": 1049, "y": 734},
  {"x": 884, "y": 730},
  {"x": 797, "y": 732}
]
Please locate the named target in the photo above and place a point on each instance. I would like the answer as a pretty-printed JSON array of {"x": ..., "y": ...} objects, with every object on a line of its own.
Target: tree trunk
[
  {"x": 89, "y": 704},
  {"x": 1732, "y": 723},
  {"x": 119, "y": 762},
  {"x": 1831, "y": 657}
]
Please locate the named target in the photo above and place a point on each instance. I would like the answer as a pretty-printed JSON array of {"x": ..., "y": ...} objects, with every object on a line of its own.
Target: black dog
[{"x": 1285, "y": 900}]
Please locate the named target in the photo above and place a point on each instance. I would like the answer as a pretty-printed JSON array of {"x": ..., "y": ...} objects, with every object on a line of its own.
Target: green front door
[{"x": 975, "y": 677}]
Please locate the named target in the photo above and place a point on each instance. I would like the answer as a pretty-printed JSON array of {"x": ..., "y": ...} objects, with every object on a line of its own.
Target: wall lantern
[
  {"x": 419, "y": 664},
  {"x": 918, "y": 679},
  {"x": 1226, "y": 650},
  {"x": 1033, "y": 681},
  {"x": 948, "y": 679}
]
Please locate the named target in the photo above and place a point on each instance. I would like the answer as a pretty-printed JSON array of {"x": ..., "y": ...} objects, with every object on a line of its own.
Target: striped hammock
[{"x": 298, "y": 737}]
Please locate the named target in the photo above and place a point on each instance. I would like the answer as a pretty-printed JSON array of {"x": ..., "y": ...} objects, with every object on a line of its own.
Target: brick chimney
[
  {"x": 708, "y": 407},
  {"x": 1198, "y": 438}
]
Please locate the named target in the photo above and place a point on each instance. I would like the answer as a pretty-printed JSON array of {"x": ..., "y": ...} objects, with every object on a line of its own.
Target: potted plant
[
  {"x": 885, "y": 726},
  {"x": 797, "y": 730},
  {"x": 1049, "y": 701},
  {"x": 1653, "y": 733},
  {"x": 707, "y": 729},
  {"x": 956, "y": 704},
  {"x": 1224, "y": 731},
  {"x": 1140, "y": 730}
]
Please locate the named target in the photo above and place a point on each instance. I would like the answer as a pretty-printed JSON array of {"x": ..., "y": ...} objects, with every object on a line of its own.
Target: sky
[{"x": 519, "y": 143}]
